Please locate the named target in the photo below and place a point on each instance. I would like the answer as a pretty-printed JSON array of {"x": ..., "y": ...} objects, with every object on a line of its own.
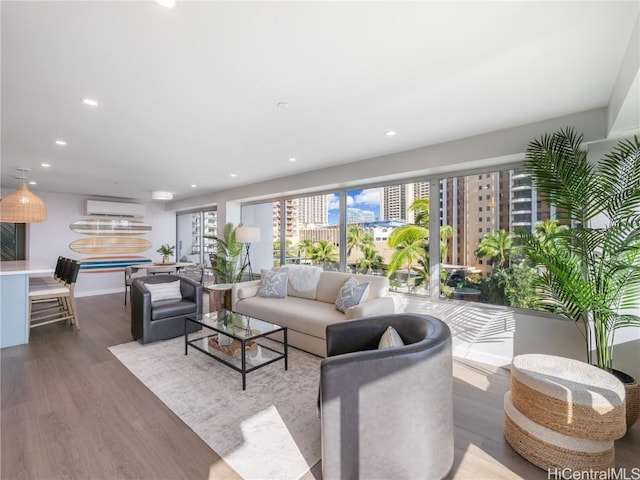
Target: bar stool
[{"x": 61, "y": 295}]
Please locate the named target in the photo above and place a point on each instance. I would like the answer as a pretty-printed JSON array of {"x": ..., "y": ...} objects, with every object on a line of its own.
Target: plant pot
[
  {"x": 632, "y": 391},
  {"x": 165, "y": 259}
]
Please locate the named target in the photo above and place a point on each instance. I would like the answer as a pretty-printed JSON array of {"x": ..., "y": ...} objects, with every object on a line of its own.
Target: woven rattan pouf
[
  {"x": 569, "y": 396},
  {"x": 552, "y": 450},
  {"x": 563, "y": 413}
]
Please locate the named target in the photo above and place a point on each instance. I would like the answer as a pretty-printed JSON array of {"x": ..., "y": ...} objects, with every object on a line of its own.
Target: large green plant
[
  {"x": 590, "y": 272},
  {"x": 227, "y": 260}
]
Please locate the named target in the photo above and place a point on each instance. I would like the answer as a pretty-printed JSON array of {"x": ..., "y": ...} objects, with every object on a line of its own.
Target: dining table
[{"x": 159, "y": 267}]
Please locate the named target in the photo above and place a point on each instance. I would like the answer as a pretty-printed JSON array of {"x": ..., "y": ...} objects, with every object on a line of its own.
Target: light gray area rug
[{"x": 269, "y": 431}]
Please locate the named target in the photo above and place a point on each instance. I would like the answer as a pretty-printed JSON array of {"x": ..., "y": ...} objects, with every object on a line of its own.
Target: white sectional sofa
[{"x": 308, "y": 310}]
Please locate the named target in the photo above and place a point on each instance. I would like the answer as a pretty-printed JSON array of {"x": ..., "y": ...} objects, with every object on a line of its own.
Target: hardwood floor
[{"x": 69, "y": 409}]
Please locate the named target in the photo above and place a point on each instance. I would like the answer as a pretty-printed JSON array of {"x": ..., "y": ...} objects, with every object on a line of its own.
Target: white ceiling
[{"x": 189, "y": 95}]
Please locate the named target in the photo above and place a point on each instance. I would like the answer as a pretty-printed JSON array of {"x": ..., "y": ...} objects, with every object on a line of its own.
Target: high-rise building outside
[
  {"x": 396, "y": 200},
  {"x": 289, "y": 217},
  {"x": 313, "y": 210},
  {"x": 477, "y": 205},
  {"x": 357, "y": 215}
]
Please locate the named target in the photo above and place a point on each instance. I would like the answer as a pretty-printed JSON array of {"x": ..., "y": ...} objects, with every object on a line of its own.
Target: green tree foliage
[
  {"x": 306, "y": 247},
  {"x": 497, "y": 246},
  {"x": 370, "y": 261},
  {"x": 411, "y": 243},
  {"x": 324, "y": 253}
]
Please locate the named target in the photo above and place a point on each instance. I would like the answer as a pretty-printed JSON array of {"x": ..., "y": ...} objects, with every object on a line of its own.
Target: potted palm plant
[
  {"x": 227, "y": 257},
  {"x": 590, "y": 272}
]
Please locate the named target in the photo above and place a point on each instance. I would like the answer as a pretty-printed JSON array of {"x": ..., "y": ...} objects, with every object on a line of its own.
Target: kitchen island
[{"x": 14, "y": 300}]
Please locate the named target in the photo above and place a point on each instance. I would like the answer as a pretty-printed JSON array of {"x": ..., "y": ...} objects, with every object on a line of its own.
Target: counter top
[{"x": 21, "y": 267}]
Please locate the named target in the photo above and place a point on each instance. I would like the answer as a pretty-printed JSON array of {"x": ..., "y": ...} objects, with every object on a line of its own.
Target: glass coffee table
[{"x": 233, "y": 341}]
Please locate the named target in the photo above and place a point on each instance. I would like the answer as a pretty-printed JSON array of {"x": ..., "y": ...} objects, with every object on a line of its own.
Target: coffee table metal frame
[{"x": 242, "y": 334}]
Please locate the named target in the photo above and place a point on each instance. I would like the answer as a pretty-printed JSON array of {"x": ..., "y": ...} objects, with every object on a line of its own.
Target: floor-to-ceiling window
[
  {"x": 482, "y": 261},
  {"x": 195, "y": 232},
  {"x": 457, "y": 241}
]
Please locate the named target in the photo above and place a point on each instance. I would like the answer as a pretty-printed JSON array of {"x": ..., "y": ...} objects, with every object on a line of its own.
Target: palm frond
[
  {"x": 620, "y": 178},
  {"x": 561, "y": 174}
]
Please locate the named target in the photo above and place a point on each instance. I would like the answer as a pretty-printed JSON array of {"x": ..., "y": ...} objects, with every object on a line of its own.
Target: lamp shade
[
  {"x": 22, "y": 206},
  {"x": 247, "y": 234}
]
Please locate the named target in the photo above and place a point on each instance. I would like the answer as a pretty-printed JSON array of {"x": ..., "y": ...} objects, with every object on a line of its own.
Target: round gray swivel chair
[{"x": 387, "y": 413}]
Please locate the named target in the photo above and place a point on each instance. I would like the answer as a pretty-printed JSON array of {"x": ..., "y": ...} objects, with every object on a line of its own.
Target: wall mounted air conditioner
[{"x": 114, "y": 209}]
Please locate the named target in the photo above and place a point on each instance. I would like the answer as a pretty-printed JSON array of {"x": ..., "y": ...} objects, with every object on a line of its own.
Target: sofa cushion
[
  {"x": 331, "y": 283},
  {"x": 303, "y": 281},
  {"x": 164, "y": 291},
  {"x": 352, "y": 293},
  {"x": 299, "y": 314},
  {"x": 273, "y": 283},
  {"x": 247, "y": 291}
]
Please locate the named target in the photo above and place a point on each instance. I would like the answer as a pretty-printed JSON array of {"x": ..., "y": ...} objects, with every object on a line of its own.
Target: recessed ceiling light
[
  {"x": 283, "y": 105},
  {"x": 234, "y": 175},
  {"x": 390, "y": 133},
  {"x": 60, "y": 142},
  {"x": 167, "y": 3},
  {"x": 90, "y": 101},
  {"x": 45, "y": 165},
  {"x": 291, "y": 159},
  {"x": 161, "y": 195},
  {"x": 31, "y": 182},
  {"x": 194, "y": 185}
]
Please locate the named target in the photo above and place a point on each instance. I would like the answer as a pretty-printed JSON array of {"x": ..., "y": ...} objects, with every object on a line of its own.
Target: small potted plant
[{"x": 166, "y": 251}]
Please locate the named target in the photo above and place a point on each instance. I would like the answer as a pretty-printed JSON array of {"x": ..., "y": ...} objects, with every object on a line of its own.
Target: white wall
[
  {"x": 47, "y": 240},
  {"x": 541, "y": 332}
]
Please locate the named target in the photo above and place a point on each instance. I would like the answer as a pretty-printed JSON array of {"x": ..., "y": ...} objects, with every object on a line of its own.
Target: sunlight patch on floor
[{"x": 267, "y": 428}]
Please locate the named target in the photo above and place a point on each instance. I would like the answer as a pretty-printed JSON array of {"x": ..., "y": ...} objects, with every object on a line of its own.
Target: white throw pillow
[
  {"x": 164, "y": 291},
  {"x": 273, "y": 283},
  {"x": 390, "y": 338},
  {"x": 352, "y": 293},
  {"x": 303, "y": 281}
]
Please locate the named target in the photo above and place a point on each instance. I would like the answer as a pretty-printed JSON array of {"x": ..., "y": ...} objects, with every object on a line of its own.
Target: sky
[{"x": 367, "y": 200}]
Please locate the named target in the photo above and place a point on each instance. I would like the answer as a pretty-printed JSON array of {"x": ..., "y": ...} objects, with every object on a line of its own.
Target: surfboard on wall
[
  {"x": 111, "y": 263},
  {"x": 110, "y": 227},
  {"x": 115, "y": 245}
]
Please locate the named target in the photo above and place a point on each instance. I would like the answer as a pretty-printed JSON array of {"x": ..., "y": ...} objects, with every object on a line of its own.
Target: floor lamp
[{"x": 248, "y": 235}]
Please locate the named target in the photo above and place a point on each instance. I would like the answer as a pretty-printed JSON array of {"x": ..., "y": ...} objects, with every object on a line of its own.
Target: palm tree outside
[
  {"x": 306, "y": 247},
  {"x": 324, "y": 253},
  {"x": 370, "y": 261},
  {"x": 498, "y": 247}
]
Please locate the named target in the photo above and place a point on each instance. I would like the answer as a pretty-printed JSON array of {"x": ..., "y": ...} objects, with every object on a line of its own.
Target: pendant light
[{"x": 22, "y": 206}]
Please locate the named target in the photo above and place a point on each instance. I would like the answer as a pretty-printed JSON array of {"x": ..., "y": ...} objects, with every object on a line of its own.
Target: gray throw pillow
[
  {"x": 390, "y": 338},
  {"x": 352, "y": 293},
  {"x": 273, "y": 283}
]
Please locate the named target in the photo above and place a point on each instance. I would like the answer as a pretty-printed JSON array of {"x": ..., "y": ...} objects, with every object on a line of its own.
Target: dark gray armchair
[
  {"x": 163, "y": 319},
  {"x": 387, "y": 414}
]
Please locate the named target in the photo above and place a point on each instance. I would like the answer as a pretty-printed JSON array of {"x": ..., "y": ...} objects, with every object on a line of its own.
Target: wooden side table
[{"x": 219, "y": 297}]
